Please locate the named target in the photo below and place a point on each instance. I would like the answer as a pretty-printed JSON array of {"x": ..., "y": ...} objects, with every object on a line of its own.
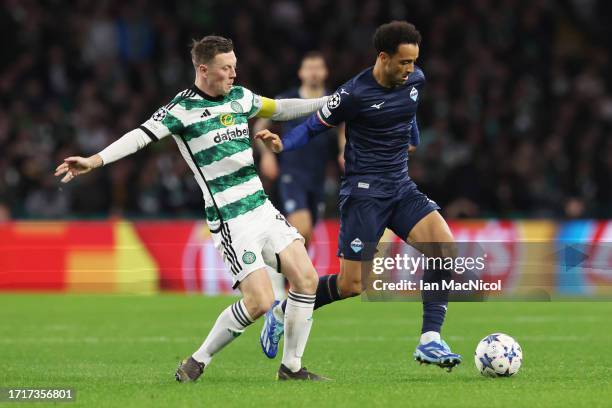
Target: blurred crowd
[{"x": 516, "y": 120}]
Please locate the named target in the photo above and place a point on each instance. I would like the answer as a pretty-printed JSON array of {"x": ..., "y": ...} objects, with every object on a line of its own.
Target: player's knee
[
  {"x": 311, "y": 280},
  {"x": 306, "y": 282},
  {"x": 262, "y": 307},
  {"x": 259, "y": 303}
]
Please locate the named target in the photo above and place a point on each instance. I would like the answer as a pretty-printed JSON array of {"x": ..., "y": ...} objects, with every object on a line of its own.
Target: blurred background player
[
  {"x": 379, "y": 108},
  {"x": 300, "y": 173},
  {"x": 209, "y": 122}
]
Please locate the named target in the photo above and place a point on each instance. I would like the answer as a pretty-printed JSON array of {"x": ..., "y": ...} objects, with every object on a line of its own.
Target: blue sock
[
  {"x": 433, "y": 316},
  {"x": 327, "y": 292},
  {"x": 435, "y": 302}
]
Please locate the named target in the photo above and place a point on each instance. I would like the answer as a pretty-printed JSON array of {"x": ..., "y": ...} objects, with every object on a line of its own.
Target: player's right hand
[
  {"x": 271, "y": 140},
  {"x": 75, "y": 166}
]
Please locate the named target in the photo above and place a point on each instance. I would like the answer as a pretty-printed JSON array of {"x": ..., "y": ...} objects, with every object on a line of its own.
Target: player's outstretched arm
[
  {"x": 289, "y": 109},
  {"x": 305, "y": 132},
  {"x": 332, "y": 112},
  {"x": 297, "y": 137},
  {"x": 129, "y": 143}
]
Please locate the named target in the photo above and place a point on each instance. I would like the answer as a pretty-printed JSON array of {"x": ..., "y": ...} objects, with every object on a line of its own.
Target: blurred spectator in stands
[{"x": 516, "y": 116}]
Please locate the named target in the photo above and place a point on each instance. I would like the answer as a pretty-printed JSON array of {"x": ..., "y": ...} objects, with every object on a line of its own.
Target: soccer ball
[{"x": 498, "y": 355}]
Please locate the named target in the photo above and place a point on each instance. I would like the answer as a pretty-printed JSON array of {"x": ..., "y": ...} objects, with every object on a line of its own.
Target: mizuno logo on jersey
[
  {"x": 231, "y": 134},
  {"x": 343, "y": 92},
  {"x": 378, "y": 105}
]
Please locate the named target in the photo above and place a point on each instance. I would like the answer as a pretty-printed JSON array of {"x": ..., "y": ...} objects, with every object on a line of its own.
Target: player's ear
[
  {"x": 383, "y": 56},
  {"x": 203, "y": 70}
]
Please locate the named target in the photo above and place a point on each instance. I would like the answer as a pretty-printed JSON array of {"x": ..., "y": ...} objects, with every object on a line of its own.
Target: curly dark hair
[{"x": 389, "y": 36}]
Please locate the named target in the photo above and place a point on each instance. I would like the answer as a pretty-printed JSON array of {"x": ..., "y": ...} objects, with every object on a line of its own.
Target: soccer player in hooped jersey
[
  {"x": 379, "y": 107},
  {"x": 208, "y": 121}
]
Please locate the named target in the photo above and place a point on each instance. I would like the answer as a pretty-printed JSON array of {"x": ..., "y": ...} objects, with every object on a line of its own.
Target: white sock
[
  {"x": 229, "y": 325},
  {"x": 278, "y": 312},
  {"x": 278, "y": 283},
  {"x": 298, "y": 321},
  {"x": 430, "y": 336}
]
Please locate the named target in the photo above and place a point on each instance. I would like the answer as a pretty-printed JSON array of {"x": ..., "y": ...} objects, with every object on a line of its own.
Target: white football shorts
[{"x": 254, "y": 240}]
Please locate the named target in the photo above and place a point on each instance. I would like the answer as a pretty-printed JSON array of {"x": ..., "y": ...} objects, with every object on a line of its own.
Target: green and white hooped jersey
[{"x": 213, "y": 136}]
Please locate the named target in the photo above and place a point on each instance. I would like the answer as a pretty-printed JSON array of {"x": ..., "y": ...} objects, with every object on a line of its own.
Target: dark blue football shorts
[{"x": 363, "y": 220}]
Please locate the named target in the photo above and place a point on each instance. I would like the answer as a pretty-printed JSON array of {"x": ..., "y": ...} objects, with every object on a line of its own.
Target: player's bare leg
[
  {"x": 431, "y": 228},
  {"x": 303, "y": 280},
  {"x": 349, "y": 278},
  {"x": 330, "y": 288},
  {"x": 272, "y": 330},
  {"x": 432, "y": 236},
  {"x": 302, "y": 220},
  {"x": 231, "y": 323}
]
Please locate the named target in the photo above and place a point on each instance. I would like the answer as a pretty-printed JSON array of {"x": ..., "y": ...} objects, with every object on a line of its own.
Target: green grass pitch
[{"x": 123, "y": 351}]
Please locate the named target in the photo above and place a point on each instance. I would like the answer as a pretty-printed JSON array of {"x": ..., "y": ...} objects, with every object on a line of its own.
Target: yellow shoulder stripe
[{"x": 268, "y": 107}]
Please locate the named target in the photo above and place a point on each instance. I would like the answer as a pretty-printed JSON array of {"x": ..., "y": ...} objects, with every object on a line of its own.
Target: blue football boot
[
  {"x": 271, "y": 333},
  {"x": 438, "y": 353}
]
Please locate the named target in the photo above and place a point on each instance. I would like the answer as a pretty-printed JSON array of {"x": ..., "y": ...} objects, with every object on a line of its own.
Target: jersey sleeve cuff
[
  {"x": 323, "y": 121},
  {"x": 148, "y": 133}
]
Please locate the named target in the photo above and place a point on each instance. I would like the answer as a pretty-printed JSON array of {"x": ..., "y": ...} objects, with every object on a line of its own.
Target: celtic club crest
[{"x": 248, "y": 257}]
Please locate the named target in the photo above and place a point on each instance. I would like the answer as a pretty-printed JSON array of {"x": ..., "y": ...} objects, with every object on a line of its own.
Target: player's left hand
[
  {"x": 271, "y": 140},
  {"x": 411, "y": 149},
  {"x": 77, "y": 165}
]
